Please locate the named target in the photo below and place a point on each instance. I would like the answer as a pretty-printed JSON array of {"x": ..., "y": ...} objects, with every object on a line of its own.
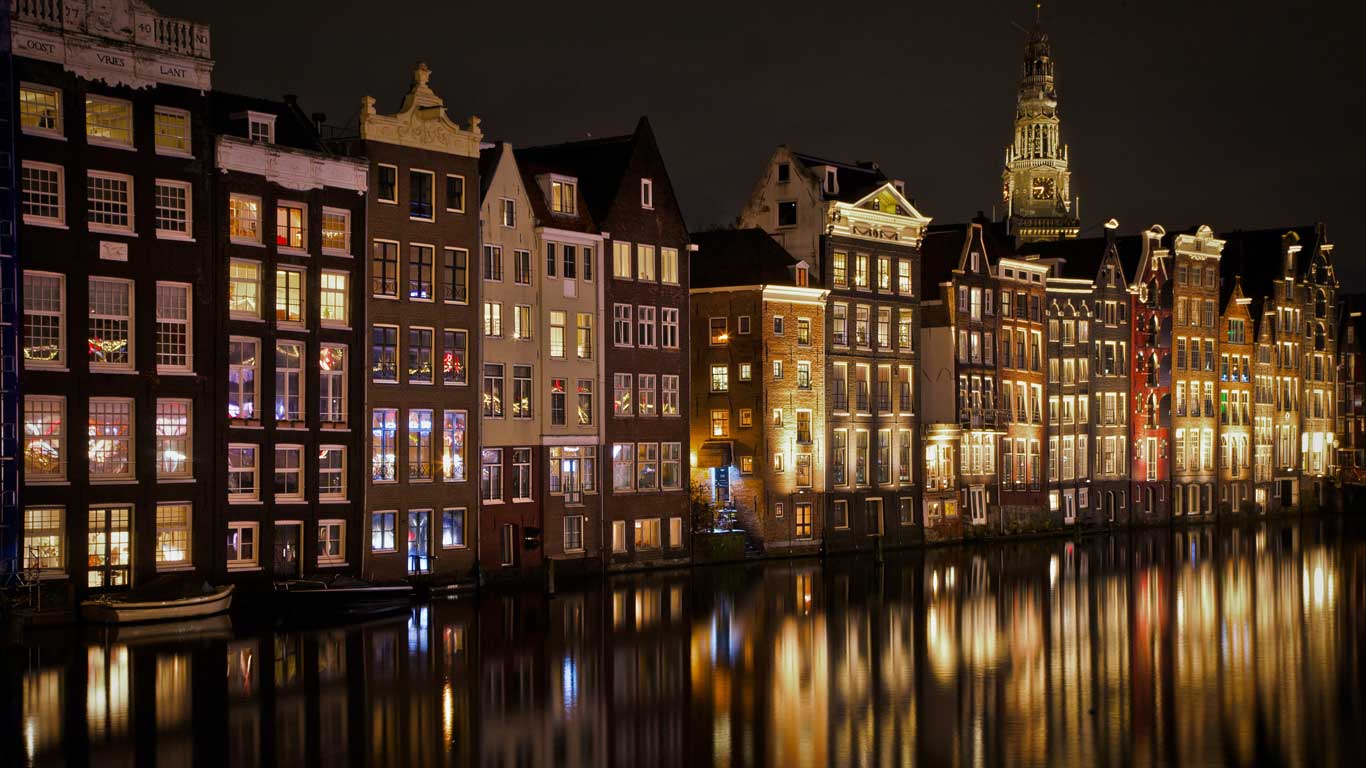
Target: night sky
[{"x": 1238, "y": 115}]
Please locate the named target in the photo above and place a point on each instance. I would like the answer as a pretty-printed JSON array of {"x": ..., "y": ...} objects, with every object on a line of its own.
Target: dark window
[
  {"x": 550, "y": 260},
  {"x": 454, "y": 286},
  {"x": 455, "y": 193},
  {"x": 420, "y": 194},
  {"x": 787, "y": 213},
  {"x": 387, "y": 188},
  {"x": 784, "y": 172},
  {"x": 384, "y": 269}
]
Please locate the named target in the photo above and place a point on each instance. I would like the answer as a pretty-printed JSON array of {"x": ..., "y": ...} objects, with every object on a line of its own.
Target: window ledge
[
  {"x": 243, "y": 241},
  {"x": 289, "y": 251},
  {"x": 116, "y": 371},
  {"x": 340, "y": 564},
  {"x": 245, "y": 502},
  {"x": 175, "y": 480},
  {"x": 290, "y": 502},
  {"x": 334, "y": 501},
  {"x": 109, "y": 144},
  {"x": 160, "y": 372},
  {"x": 175, "y": 237},
  {"x": 162, "y": 152},
  {"x": 106, "y": 230},
  {"x": 49, "y": 483},
  {"x": 175, "y": 568},
  {"x": 492, "y": 501},
  {"x": 113, "y": 481},
  {"x": 50, "y": 224},
  {"x": 31, "y": 368},
  {"x": 243, "y": 568},
  {"x": 335, "y": 252},
  {"x": 334, "y": 428},
  {"x": 384, "y": 551}
]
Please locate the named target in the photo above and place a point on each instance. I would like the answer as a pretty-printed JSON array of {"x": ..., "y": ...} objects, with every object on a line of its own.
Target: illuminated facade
[
  {"x": 1070, "y": 303},
  {"x": 1110, "y": 395},
  {"x": 1318, "y": 432},
  {"x": 758, "y": 404},
  {"x": 512, "y": 394},
  {"x": 1150, "y": 384},
  {"x": 422, "y": 404},
  {"x": 1024, "y": 500},
  {"x": 1195, "y": 357},
  {"x": 862, "y": 238},
  {"x": 1237, "y": 350},
  {"x": 1351, "y": 401},
  {"x": 1036, "y": 183}
]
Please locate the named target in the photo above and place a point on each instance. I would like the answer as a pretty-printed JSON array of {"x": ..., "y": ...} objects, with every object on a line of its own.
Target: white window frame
[
  {"x": 244, "y": 201},
  {"x": 186, "y": 439},
  {"x": 254, "y": 470},
  {"x": 60, "y": 116},
  {"x": 187, "y": 322},
  {"x": 130, "y": 439},
  {"x": 379, "y": 167},
  {"x": 286, "y": 247},
  {"x": 346, "y": 231},
  {"x": 131, "y": 318},
  {"x": 172, "y": 234},
  {"x": 264, "y": 120},
  {"x": 240, "y": 563},
  {"x": 59, "y": 316},
  {"x": 344, "y": 293},
  {"x": 172, "y": 112},
  {"x": 343, "y": 472},
  {"x": 129, "y": 212},
  {"x": 187, "y": 527},
  {"x": 103, "y": 142},
  {"x": 59, "y": 220},
  {"x": 55, "y": 529},
  {"x": 647, "y": 194},
  {"x": 326, "y": 560},
  {"x": 302, "y": 272},
  {"x": 63, "y": 447},
  {"x": 393, "y": 530}
]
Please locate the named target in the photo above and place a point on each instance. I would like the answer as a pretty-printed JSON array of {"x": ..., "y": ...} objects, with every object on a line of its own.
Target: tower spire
[{"x": 1036, "y": 182}]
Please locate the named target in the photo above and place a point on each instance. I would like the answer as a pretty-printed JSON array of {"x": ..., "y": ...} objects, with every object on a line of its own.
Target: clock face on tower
[{"x": 1042, "y": 188}]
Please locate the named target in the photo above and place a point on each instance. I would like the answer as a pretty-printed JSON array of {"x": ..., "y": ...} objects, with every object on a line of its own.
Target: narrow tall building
[
  {"x": 757, "y": 434},
  {"x": 291, "y": 227},
  {"x": 1151, "y": 381},
  {"x": 1036, "y": 182},
  {"x": 120, "y": 341},
  {"x": 645, "y": 373},
  {"x": 1070, "y": 322},
  {"x": 861, "y": 236},
  {"x": 1110, "y": 395},
  {"x": 1024, "y": 501},
  {"x": 1319, "y": 432},
  {"x": 422, "y": 303},
  {"x": 570, "y": 327},
  {"x": 1195, "y": 330},
  {"x": 1237, "y": 350},
  {"x": 510, "y": 280}
]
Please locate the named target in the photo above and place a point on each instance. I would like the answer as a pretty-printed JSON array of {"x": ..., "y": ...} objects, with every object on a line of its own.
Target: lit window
[
  {"x": 173, "y": 217},
  {"x": 174, "y": 444},
  {"x": 453, "y": 446},
  {"x": 645, "y": 400},
  {"x": 244, "y": 219},
  {"x": 332, "y": 299},
  {"x": 332, "y": 473},
  {"x": 493, "y": 390},
  {"x": 45, "y": 539},
  {"x": 111, "y": 438},
  {"x": 521, "y": 474},
  {"x": 40, "y": 109},
  {"x": 420, "y": 355},
  {"x": 720, "y": 377},
  {"x": 720, "y": 423},
  {"x": 332, "y": 384},
  {"x": 421, "y": 458},
  {"x": 243, "y": 485},
  {"x": 420, "y": 258},
  {"x": 669, "y": 389},
  {"x": 563, "y": 198},
  {"x": 623, "y": 466},
  {"x": 382, "y": 532},
  {"x": 108, "y": 121},
  {"x": 521, "y": 392},
  {"x": 621, "y": 394},
  {"x": 645, "y": 263},
  {"x": 509, "y": 211},
  {"x": 668, "y": 327},
  {"x": 172, "y": 131},
  {"x": 44, "y": 438},
  {"x": 244, "y": 290},
  {"x": 585, "y": 337},
  {"x": 44, "y": 320},
  {"x": 621, "y": 260},
  {"x": 557, "y": 319},
  {"x": 241, "y": 546},
  {"x": 384, "y": 445},
  {"x": 173, "y": 535},
  {"x": 109, "y": 201},
  {"x": 242, "y": 367},
  {"x": 384, "y": 269},
  {"x": 111, "y": 323},
  {"x": 336, "y": 232},
  {"x": 331, "y": 542},
  {"x": 173, "y": 328},
  {"x": 289, "y": 473},
  {"x": 42, "y": 187},
  {"x": 384, "y": 353},
  {"x": 668, "y": 265},
  {"x": 290, "y": 226},
  {"x": 289, "y": 381},
  {"x": 289, "y": 296},
  {"x": 453, "y": 345},
  {"x": 491, "y": 474},
  {"x": 671, "y": 466},
  {"x": 647, "y": 466}
]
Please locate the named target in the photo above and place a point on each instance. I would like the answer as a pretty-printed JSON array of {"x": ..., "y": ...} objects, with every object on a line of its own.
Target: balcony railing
[{"x": 164, "y": 33}]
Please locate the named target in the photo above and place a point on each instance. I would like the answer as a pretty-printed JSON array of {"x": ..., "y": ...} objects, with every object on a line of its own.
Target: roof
[
  {"x": 853, "y": 180},
  {"x": 294, "y": 128},
  {"x": 580, "y": 221},
  {"x": 735, "y": 257},
  {"x": 489, "y": 155},
  {"x": 941, "y": 250},
  {"x": 598, "y": 164}
]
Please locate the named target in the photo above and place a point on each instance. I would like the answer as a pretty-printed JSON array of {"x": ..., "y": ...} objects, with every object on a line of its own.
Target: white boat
[{"x": 130, "y": 607}]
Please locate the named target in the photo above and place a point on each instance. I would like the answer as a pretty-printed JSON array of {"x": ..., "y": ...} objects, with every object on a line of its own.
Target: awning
[{"x": 714, "y": 453}]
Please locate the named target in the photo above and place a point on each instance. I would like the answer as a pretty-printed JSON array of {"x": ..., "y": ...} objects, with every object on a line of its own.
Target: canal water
[{"x": 1197, "y": 647}]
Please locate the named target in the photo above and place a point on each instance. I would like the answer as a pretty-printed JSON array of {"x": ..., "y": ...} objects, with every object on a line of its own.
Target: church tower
[{"x": 1036, "y": 183}]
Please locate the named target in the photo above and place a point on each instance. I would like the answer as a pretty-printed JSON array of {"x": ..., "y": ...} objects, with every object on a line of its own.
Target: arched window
[
  {"x": 1320, "y": 338},
  {"x": 1321, "y": 303}
]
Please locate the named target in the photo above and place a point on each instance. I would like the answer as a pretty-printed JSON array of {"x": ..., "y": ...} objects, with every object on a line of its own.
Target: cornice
[
  {"x": 290, "y": 168},
  {"x": 421, "y": 123}
]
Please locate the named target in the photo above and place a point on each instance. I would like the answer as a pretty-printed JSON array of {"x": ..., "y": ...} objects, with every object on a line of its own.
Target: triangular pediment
[{"x": 888, "y": 199}]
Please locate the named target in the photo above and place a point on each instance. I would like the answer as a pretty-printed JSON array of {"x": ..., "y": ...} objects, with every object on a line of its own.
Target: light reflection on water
[{"x": 1198, "y": 647}]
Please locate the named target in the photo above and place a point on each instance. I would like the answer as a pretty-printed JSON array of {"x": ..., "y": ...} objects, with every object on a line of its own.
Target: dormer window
[
  {"x": 647, "y": 193},
  {"x": 900, "y": 187},
  {"x": 563, "y": 196},
  {"x": 261, "y": 127},
  {"x": 832, "y": 184},
  {"x": 800, "y": 276},
  {"x": 784, "y": 173}
]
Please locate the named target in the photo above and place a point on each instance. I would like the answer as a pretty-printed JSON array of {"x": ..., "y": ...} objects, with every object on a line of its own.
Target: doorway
[
  {"x": 289, "y": 539},
  {"x": 109, "y": 547},
  {"x": 419, "y": 541}
]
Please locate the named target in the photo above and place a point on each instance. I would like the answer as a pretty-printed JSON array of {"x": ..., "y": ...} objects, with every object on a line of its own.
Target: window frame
[
  {"x": 60, "y": 361},
  {"x": 59, "y": 221},
  {"x": 187, "y": 438},
  {"x": 239, "y": 239},
  {"x": 160, "y": 110},
  {"x": 104, "y": 142},
  {"x": 130, "y": 211},
  {"x": 240, "y": 563},
  {"x": 59, "y": 107},
  {"x": 171, "y": 234},
  {"x": 345, "y": 214},
  {"x": 463, "y": 192}
]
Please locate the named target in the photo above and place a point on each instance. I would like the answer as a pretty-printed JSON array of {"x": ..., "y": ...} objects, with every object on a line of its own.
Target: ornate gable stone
[{"x": 421, "y": 122}]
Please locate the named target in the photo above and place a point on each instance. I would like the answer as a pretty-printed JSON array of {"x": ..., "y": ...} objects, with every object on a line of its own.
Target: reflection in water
[{"x": 1193, "y": 646}]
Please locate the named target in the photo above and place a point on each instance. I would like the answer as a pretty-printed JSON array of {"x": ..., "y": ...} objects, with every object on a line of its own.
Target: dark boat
[{"x": 338, "y": 597}]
